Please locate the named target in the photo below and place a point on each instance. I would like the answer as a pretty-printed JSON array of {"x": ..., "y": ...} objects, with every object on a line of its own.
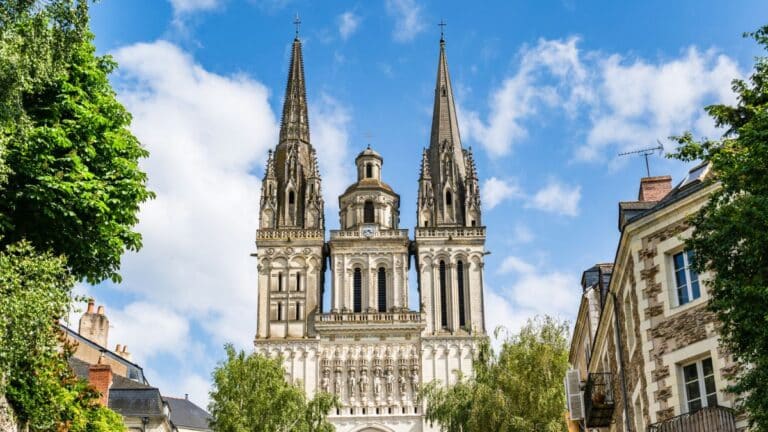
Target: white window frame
[
  {"x": 688, "y": 279},
  {"x": 700, "y": 379}
]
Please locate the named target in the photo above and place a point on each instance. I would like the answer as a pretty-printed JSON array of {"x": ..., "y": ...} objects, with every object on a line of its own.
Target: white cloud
[
  {"x": 205, "y": 133},
  {"x": 186, "y": 6},
  {"x": 522, "y": 234},
  {"x": 495, "y": 190},
  {"x": 408, "y": 20},
  {"x": 521, "y": 95},
  {"x": 557, "y": 198},
  {"x": 513, "y": 264},
  {"x": 329, "y": 120},
  {"x": 348, "y": 23},
  {"x": 624, "y": 103}
]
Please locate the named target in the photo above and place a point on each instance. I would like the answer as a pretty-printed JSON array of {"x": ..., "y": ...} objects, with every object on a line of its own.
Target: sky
[{"x": 548, "y": 93}]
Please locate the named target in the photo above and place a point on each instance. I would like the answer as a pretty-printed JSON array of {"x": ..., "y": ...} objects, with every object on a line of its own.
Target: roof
[
  {"x": 368, "y": 184},
  {"x": 184, "y": 413},
  {"x": 136, "y": 402},
  {"x": 134, "y": 370},
  {"x": 369, "y": 152}
]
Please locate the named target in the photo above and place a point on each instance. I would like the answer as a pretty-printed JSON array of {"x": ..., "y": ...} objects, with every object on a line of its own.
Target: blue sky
[{"x": 548, "y": 92}]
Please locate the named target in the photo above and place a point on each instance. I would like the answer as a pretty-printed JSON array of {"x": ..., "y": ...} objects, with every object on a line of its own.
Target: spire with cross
[
  {"x": 442, "y": 25},
  {"x": 297, "y": 23}
]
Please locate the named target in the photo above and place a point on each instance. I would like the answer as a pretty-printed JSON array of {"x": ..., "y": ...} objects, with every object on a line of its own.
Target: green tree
[
  {"x": 730, "y": 240},
  {"x": 36, "y": 379},
  {"x": 518, "y": 390},
  {"x": 250, "y": 393},
  {"x": 74, "y": 184}
]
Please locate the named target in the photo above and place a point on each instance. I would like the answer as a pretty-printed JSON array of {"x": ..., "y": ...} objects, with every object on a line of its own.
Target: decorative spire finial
[
  {"x": 297, "y": 23},
  {"x": 442, "y": 30}
]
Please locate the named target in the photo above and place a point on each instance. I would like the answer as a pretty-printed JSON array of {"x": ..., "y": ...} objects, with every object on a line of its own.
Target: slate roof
[
  {"x": 186, "y": 414},
  {"x": 136, "y": 402}
]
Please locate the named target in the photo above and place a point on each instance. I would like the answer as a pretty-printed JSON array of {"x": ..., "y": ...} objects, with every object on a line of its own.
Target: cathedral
[{"x": 367, "y": 346}]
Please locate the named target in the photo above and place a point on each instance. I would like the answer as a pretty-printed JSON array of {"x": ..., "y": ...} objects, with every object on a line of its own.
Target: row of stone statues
[{"x": 381, "y": 386}]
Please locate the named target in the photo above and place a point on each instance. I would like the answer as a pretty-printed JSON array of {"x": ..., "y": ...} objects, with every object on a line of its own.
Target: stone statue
[
  {"x": 326, "y": 381},
  {"x": 352, "y": 382},
  {"x": 337, "y": 384},
  {"x": 377, "y": 382},
  {"x": 401, "y": 382},
  {"x": 363, "y": 383},
  {"x": 414, "y": 380}
]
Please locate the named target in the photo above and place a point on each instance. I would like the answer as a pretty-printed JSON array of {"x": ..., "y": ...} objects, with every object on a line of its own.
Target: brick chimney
[
  {"x": 654, "y": 188},
  {"x": 100, "y": 377},
  {"x": 94, "y": 325}
]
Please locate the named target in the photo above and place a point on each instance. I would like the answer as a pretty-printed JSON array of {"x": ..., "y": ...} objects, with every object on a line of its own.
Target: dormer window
[
  {"x": 368, "y": 213},
  {"x": 368, "y": 170}
]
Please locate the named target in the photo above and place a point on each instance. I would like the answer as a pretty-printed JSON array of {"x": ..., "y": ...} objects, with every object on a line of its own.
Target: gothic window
[
  {"x": 357, "y": 291},
  {"x": 473, "y": 223},
  {"x": 443, "y": 299},
  {"x": 280, "y": 281},
  {"x": 291, "y": 197},
  {"x": 382, "y": 289},
  {"x": 368, "y": 213},
  {"x": 298, "y": 282},
  {"x": 460, "y": 283},
  {"x": 298, "y": 311},
  {"x": 448, "y": 198},
  {"x": 279, "y": 311},
  {"x": 368, "y": 170}
]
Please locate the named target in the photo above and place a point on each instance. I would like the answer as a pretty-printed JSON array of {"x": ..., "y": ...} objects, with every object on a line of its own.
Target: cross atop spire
[
  {"x": 442, "y": 25},
  {"x": 297, "y": 23}
]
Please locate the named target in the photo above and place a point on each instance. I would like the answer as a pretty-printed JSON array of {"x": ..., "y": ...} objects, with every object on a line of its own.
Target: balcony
[
  {"x": 598, "y": 399},
  {"x": 347, "y": 322},
  {"x": 709, "y": 419}
]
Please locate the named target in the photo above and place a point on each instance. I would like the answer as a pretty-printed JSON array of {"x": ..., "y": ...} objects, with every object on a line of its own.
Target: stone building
[
  {"x": 645, "y": 351},
  {"x": 121, "y": 382},
  {"x": 367, "y": 346}
]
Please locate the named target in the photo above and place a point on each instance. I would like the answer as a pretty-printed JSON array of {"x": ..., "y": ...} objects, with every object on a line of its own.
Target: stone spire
[
  {"x": 445, "y": 124},
  {"x": 295, "y": 122}
]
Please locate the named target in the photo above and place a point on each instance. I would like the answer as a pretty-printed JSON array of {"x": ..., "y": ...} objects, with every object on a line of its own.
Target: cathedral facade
[{"x": 367, "y": 346}]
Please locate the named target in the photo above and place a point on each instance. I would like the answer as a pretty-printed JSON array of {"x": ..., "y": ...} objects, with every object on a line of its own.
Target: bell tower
[{"x": 290, "y": 237}]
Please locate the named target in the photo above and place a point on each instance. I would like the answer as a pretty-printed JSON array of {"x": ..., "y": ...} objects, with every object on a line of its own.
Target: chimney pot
[
  {"x": 118, "y": 348},
  {"x": 90, "y": 306},
  {"x": 186, "y": 396},
  {"x": 100, "y": 311}
]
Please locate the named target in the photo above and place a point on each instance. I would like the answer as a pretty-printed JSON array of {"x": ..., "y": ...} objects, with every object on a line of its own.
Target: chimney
[
  {"x": 124, "y": 352},
  {"x": 94, "y": 326},
  {"x": 654, "y": 188},
  {"x": 100, "y": 378}
]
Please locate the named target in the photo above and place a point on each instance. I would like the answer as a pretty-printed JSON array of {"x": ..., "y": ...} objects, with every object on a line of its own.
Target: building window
[
  {"x": 291, "y": 197},
  {"x": 460, "y": 284},
  {"x": 280, "y": 281},
  {"x": 686, "y": 279},
  {"x": 382, "y": 289},
  {"x": 357, "y": 291},
  {"x": 279, "y": 311},
  {"x": 298, "y": 281},
  {"x": 368, "y": 214},
  {"x": 448, "y": 198},
  {"x": 298, "y": 311},
  {"x": 699, "y": 379},
  {"x": 368, "y": 170},
  {"x": 443, "y": 299}
]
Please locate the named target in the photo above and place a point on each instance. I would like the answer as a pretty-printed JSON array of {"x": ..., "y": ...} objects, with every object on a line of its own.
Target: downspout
[{"x": 621, "y": 363}]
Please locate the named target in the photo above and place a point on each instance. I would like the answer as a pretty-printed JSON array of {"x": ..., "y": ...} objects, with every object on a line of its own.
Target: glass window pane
[
  {"x": 712, "y": 400},
  {"x": 706, "y": 366},
  {"x": 694, "y": 405},
  {"x": 695, "y": 291},
  {"x": 679, "y": 263},
  {"x": 692, "y": 390},
  {"x": 680, "y": 278},
  {"x": 682, "y": 295},
  {"x": 689, "y": 372},
  {"x": 709, "y": 385}
]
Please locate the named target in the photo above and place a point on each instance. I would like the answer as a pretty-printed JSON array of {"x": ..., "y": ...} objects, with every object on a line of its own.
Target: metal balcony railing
[
  {"x": 598, "y": 399},
  {"x": 708, "y": 419}
]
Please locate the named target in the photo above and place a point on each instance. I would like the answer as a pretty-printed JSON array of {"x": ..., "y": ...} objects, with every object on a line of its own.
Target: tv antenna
[{"x": 645, "y": 153}]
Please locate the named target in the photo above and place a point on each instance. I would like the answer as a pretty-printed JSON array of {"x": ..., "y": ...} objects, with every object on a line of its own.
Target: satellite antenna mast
[{"x": 645, "y": 153}]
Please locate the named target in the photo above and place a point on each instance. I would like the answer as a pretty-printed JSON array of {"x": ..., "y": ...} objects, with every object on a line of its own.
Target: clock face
[{"x": 368, "y": 231}]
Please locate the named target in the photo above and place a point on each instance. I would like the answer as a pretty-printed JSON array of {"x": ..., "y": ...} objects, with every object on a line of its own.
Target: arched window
[
  {"x": 448, "y": 198},
  {"x": 298, "y": 282},
  {"x": 357, "y": 291},
  {"x": 368, "y": 214},
  {"x": 280, "y": 281},
  {"x": 382, "y": 289},
  {"x": 443, "y": 299},
  {"x": 460, "y": 284},
  {"x": 368, "y": 170},
  {"x": 291, "y": 197}
]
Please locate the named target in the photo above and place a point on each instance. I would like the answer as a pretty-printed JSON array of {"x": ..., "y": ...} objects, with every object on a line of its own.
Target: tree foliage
[
  {"x": 36, "y": 379},
  {"x": 517, "y": 390},
  {"x": 74, "y": 185},
  {"x": 730, "y": 240},
  {"x": 250, "y": 393}
]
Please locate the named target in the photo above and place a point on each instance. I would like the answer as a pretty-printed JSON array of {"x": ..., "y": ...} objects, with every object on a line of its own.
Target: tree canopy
[
  {"x": 250, "y": 393},
  {"x": 517, "y": 390},
  {"x": 730, "y": 240},
  {"x": 74, "y": 185}
]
